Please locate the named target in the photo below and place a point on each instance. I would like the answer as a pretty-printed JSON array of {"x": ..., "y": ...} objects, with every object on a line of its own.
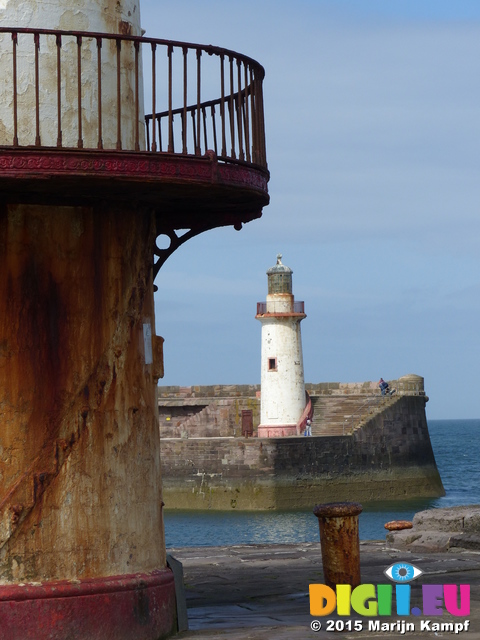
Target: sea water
[{"x": 457, "y": 453}]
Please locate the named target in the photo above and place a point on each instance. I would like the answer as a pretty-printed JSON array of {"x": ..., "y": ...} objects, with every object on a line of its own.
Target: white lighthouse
[{"x": 283, "y": 386}]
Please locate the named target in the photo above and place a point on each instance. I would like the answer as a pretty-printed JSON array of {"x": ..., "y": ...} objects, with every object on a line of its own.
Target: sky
[{"x": 372, "y": 112}]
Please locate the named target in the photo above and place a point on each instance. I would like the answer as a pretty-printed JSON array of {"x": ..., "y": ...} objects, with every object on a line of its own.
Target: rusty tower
[{"x": 88, "y": 184}]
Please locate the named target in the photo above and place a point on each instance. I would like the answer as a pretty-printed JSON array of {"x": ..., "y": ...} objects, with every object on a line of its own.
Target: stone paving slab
[{"x": 260, "y": 592}]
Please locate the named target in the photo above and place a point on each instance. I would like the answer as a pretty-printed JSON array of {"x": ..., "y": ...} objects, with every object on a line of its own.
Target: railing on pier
[
  {"x": 351, "y": 422},
  {"x": 307, "y": 414},
  {"x": 87, "y": 90},
  {"x": 355, "y": 418}
]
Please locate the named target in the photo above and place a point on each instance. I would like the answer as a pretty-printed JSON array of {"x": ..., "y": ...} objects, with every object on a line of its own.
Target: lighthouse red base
[
  {"x": 128, "y": 607},
  {"x": 277, "y": 431}
]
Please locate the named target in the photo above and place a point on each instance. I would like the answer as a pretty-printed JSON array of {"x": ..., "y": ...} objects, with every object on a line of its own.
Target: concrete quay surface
[{"x": 260, "y": 592}]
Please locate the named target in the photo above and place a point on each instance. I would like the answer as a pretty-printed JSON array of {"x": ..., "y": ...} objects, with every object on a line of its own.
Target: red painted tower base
[
  {"x": 129, "y": 607},
  {"x": 277, "y": 431}
]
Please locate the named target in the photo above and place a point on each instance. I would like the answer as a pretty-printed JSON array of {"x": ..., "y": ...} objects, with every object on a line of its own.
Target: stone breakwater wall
[
  {"x": 207, "y": 411},
  {"x": 216, "y": 410},
  {"x": 388, "y": 457}
]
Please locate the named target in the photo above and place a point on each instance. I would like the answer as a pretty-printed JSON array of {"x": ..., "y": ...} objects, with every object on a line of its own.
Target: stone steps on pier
[{"x": 336, "y": 415}]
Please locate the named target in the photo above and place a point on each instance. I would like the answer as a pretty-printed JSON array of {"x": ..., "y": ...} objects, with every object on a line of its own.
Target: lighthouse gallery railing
[
  {"x": 203, "y": 98},
  {"x": 272, "y": 307}
]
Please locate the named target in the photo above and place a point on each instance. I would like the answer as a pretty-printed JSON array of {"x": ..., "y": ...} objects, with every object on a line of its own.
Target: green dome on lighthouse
[{"x": 279, "y": 277}]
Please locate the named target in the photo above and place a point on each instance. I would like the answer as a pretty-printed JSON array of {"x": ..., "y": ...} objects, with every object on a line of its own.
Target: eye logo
[{"x": 402, "y": 572}]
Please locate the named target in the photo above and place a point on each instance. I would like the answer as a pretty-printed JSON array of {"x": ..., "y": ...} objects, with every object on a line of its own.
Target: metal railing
[
  {"x": 350, "y": 422},
  {"x": 203, "y": 98},
  {"x": 279, "y": 308},
  {"x": 307, "y": 414}
]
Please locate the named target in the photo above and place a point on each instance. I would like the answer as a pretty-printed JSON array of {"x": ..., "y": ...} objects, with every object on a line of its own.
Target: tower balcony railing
[
  {"x": 83, "y": 90},
  {"x": 273, "y": 307}
]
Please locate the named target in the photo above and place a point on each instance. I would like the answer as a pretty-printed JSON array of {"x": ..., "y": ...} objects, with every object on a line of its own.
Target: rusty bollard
[{"x": 340, "y": 542}]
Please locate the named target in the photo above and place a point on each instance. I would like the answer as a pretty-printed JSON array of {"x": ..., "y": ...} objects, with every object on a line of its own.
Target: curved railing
[
  {"x": 274, "y": 307},
  {"x": 87, "y": 90},
  {"x": 307, "y": 414},
  {"x": 351, "y": 422}
]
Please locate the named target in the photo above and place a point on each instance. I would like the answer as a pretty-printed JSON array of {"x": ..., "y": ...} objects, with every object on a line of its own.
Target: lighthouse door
[{"x": 247, "y": 422}]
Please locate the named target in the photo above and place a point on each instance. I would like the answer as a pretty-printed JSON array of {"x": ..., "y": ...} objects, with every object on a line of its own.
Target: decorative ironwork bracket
[{"x": 176, "y": 241}]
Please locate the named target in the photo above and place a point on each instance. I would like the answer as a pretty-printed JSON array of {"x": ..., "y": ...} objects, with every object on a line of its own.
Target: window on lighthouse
[{"x": 272, "y": 364}]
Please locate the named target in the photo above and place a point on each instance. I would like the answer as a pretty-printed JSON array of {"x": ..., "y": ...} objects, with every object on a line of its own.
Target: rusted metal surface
[
  {"x": 83, "y": 200},
  {"x": 79, "y": 448},
  {"x": 98, "y": 155},
  {"x": 339, "y": 538},
  {"x": 158, "y": 370},
  {"x": 156, "y": 179},
  {"x": 187, "y": 128},
  {"x": 191, "y": 193},
  {"x": 398, "y": 525}
]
